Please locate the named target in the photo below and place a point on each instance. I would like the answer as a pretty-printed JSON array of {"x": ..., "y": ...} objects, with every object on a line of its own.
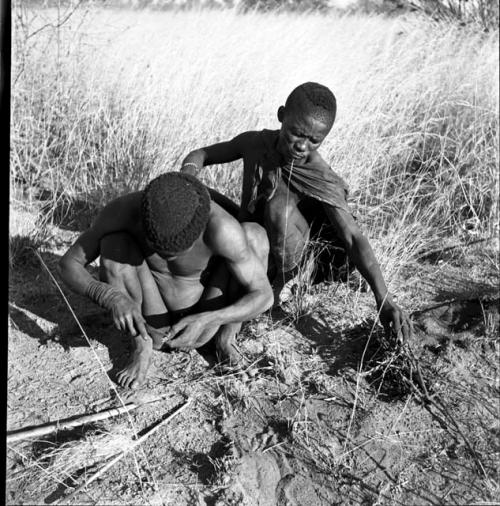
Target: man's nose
[{"x": 300, "y": 145}]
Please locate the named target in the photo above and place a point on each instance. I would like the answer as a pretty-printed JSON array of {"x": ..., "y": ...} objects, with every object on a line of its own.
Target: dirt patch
[{"x": 313, "y": 419}]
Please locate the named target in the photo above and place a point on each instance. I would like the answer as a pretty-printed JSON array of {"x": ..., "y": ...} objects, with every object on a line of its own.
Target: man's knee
[
  {"x": 287, "y": 249},
  {"x": 279, "y": 210}
]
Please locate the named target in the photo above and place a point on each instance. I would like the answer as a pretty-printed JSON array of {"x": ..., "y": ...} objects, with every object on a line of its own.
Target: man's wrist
[
  {"x": 382, "y": 297},
  {"x": 102, "y": 294},
  {"x": 190, "y": 168},
  {"x": 215, "y": 318}
]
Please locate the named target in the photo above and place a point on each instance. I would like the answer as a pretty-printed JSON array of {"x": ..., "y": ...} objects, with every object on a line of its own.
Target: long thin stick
[
  {"x": 114, "y": 460},
  {"x": 68, "y": 423}
]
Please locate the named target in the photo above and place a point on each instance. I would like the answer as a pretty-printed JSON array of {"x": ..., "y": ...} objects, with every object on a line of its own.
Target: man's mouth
[{"x": 297, "y": 156}]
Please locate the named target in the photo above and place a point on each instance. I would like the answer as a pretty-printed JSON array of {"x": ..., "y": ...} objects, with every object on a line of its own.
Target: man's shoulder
[
  {"x": 253, "y": 142},
  {"x": 318, "y": 161},
  {"x": 224, "y": 234},
  {"x": 128, "y": 203},
  {"x": 122, "y": 212},
  {"x": 249, "y": 140}
]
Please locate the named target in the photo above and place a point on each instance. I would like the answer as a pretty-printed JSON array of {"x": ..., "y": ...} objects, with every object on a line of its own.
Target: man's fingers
[
  {"x": 123, "y": 323},
  {"x": 407, "y": 328},
  {"x": 181, "y": 342},
  {"x": 396, "y": 326},
  {"x": 130, "y": 325},
  {"x": 141, "y": 327},
  {"x": 176, "y": 328}
]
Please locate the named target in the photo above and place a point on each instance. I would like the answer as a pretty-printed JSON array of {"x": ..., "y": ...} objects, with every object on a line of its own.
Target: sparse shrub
[
  {"x": 484, "y": 13},
  {"x": 283, "y": 5}
]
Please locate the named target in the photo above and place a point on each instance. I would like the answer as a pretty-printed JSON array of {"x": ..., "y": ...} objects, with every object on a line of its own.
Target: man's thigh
[{"x": 282, "y": 215}]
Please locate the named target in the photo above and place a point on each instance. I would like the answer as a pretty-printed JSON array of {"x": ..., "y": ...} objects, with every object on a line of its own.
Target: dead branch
[
  {"x": 69, "y": 423},
  {"x": 114, "y": 460}
]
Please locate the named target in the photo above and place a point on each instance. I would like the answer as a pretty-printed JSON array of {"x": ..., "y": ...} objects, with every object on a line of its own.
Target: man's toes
[
  {"x": 123, "y": 379},
  {"x": 138, "y": 382},
  {"x": 119, "y": 377}
]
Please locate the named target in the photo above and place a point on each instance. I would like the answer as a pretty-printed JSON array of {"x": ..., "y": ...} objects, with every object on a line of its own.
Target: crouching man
[{"x": 177, "y": 270}]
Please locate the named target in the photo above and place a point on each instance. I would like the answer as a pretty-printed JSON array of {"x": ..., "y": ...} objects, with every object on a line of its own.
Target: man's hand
[
  {"x": 127, "y": 315},
  {"x": 395, "y": 320},
  {"x": 192, "y": 332}
]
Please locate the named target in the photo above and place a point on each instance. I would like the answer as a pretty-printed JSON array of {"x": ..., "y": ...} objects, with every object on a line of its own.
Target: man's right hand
[{"x": 127, "y": 315}]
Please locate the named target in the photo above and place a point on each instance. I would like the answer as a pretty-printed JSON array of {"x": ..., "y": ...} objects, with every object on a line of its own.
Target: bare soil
[{"x": 319, "y": 416}]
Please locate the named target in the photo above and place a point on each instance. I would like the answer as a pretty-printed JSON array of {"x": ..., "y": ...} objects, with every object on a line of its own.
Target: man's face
[{"x": 301, "y": 133}]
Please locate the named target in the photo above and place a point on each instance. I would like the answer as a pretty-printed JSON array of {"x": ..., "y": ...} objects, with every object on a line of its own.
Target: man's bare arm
[
  {"x": 248, "y": 271},
  {"x": 229, "y": 241},
  {"x": 222, "y": 152},
  {"x": 361, "y": 253},
  {"x": 72, "y": 267}
]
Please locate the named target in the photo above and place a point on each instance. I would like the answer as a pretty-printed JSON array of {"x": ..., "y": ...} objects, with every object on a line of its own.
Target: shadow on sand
[{"x": 38, "y": 309}]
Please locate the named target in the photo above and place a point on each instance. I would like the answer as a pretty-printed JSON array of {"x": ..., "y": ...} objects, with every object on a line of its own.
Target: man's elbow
[
  {"x": 64, "y": 267},
  {"x": 353, "y": 239},
  {"x": 196, "y": 157},
  {"x": 267, "y": 298}
]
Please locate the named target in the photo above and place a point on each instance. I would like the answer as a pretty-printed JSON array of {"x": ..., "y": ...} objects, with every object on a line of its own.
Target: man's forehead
[{"x": 307, "y": 119}]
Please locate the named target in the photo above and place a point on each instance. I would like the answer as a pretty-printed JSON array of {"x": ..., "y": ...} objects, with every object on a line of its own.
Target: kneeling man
[{"x": 176, "y": 270}]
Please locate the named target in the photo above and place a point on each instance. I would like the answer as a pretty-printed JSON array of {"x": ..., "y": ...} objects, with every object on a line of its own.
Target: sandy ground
[{"x": 304, "y": 424}]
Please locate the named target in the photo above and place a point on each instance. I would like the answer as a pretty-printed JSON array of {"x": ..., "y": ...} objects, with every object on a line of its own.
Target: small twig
[
  {"x": 273, "y": 446},
  {"x": 114, "y": 460},
  {"x": 445, "y": 420},
  {"x": 56, "y": 26}
]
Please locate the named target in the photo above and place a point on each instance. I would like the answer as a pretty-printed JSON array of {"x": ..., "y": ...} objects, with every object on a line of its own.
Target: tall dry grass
[{"x": 104, "y": 100}]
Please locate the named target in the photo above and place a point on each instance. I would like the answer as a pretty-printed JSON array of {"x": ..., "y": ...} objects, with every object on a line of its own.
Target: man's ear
[{"x": 281, "y": 113}]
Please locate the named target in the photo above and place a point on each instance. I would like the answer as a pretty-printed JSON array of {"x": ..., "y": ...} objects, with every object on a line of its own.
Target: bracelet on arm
[
  {"x": 190, "y": 164},
  {"x": 102, "y": 294}
]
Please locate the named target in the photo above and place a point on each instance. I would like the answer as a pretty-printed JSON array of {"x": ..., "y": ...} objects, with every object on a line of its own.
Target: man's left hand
[
  {"x": 395, "y": 320},
  {"x": 191, "y": 332}
]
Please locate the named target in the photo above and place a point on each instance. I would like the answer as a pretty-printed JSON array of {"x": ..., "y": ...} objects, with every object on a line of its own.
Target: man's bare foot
[{"x": 134, "y": 374}]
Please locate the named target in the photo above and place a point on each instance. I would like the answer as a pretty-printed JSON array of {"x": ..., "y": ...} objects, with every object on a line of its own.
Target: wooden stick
[
  {"x": 114, "y": 460},
  {"x": 69, "y": 423}
]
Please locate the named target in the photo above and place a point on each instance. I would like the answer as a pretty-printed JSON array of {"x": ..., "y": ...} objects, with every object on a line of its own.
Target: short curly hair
[
  {"x": 315, "y": 97},
  {"x": 175, "y": 208}
]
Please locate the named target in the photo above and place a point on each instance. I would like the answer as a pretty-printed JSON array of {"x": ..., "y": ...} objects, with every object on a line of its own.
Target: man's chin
[
  {"x": 289, "y": 158},
  {"x": 297, "y": 159}
]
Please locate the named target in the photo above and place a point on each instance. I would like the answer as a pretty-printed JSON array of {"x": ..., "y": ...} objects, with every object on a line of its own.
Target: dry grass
[
  {"x": 65, "y": 460},
  {"x": 121, "y": 99}
]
